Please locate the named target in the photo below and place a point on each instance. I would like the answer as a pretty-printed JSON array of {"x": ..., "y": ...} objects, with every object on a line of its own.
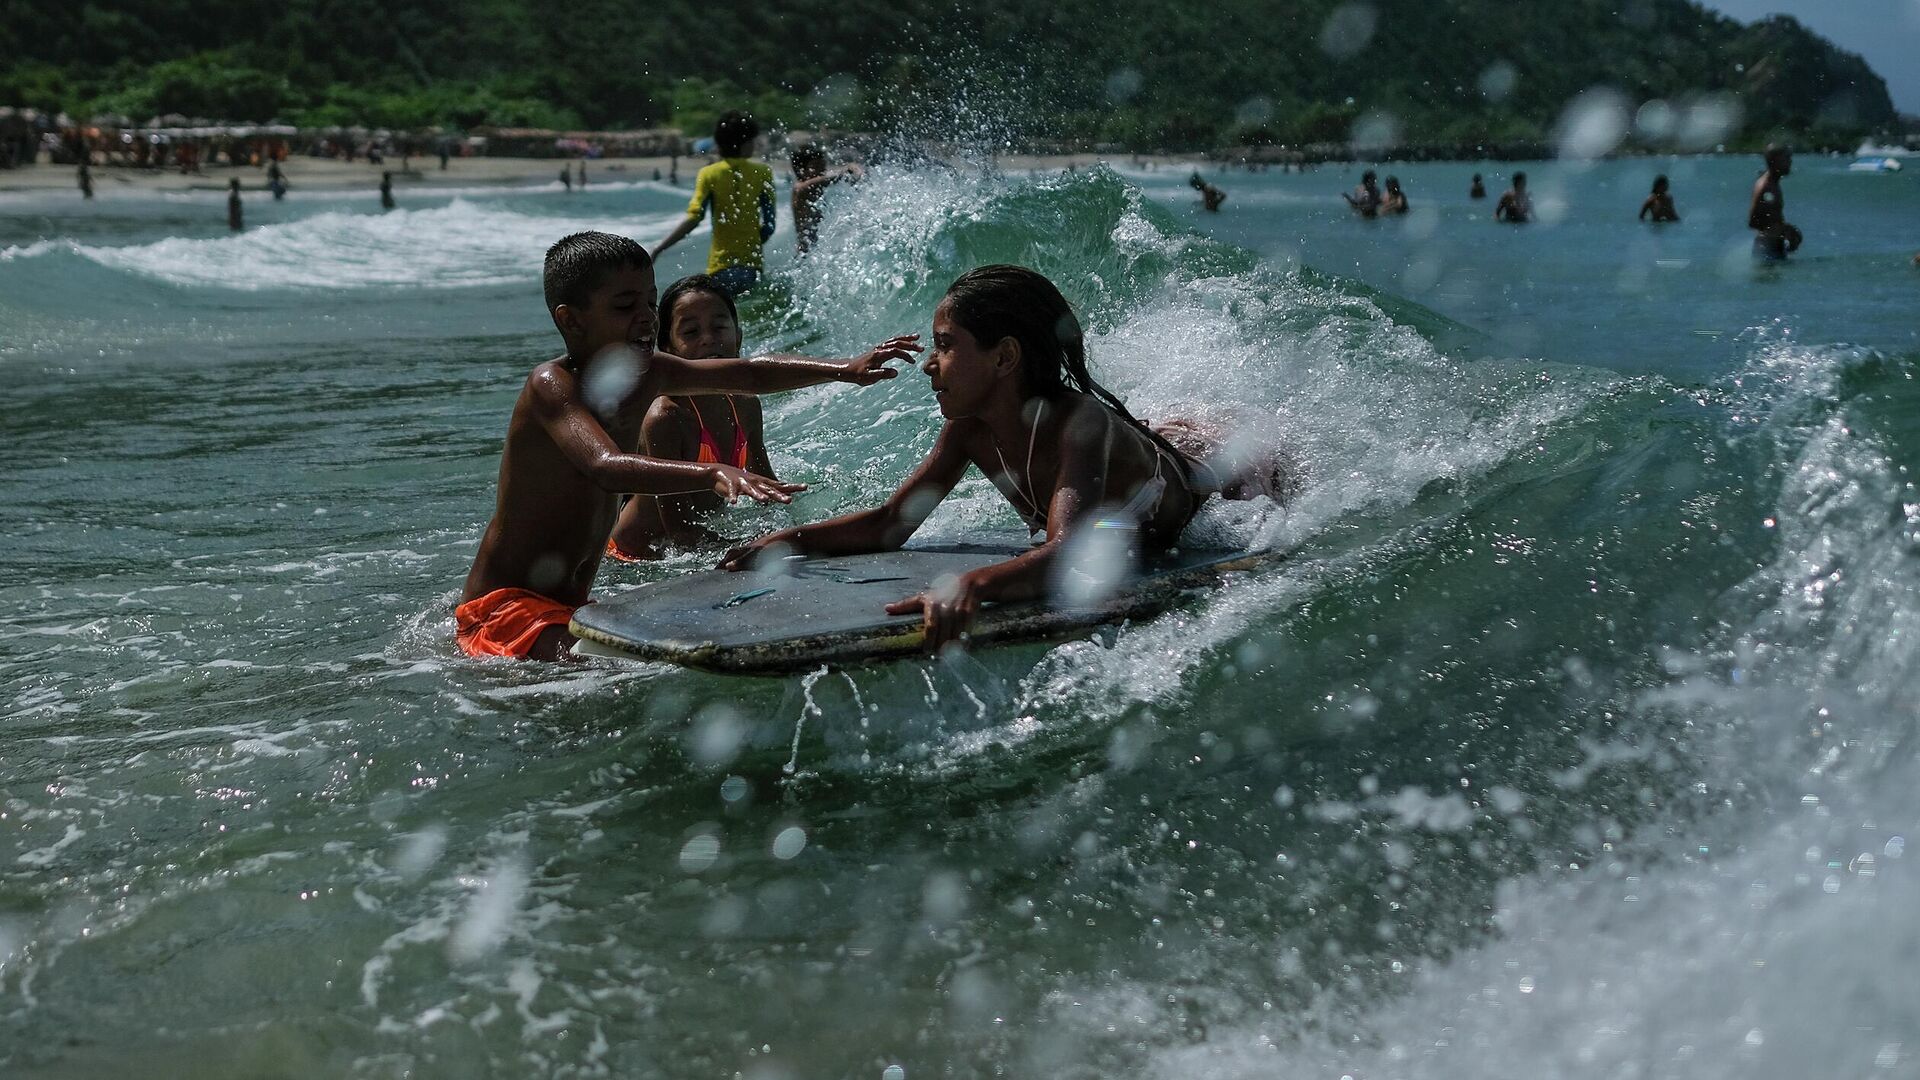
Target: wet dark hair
[
  {"x": 807, "y": 157},
  {"x": 734, "y": 132},
  {"x": 581, "y": 263},
  {"x": 1001, "y": 301},
  {"x": 1659, "y": 183},
  {"x": 680, "y": 290},
  {"x": 1366, "y": 176},
  {"x": 1519, "y": 178},
  {"x": 1393, "y": 183}
]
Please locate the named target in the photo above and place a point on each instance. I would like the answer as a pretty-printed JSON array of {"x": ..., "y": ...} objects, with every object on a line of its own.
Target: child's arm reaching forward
[
  {"x": 588, "y": 448},
  {"x": 883, "y": 528},
  {"x": 771, "y": 374}
]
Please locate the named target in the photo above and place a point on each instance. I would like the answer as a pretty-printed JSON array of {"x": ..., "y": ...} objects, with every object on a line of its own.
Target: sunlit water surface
[{"x": 1576, "y": 738}]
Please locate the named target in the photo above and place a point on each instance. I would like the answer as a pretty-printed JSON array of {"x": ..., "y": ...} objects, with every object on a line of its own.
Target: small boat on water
[{"x": 1875, "y": 164}]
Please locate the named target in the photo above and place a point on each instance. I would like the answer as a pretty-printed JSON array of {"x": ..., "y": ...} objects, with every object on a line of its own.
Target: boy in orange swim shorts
[{"x": 572, "y": 444}]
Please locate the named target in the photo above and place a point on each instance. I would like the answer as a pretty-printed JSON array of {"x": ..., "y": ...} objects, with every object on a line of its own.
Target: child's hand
[
  {"x": 871, "y": 368},
  {"x": 732, "y": 484},
  {"x": 744, "y": 556},
  {"x": 946, "y": 610}
]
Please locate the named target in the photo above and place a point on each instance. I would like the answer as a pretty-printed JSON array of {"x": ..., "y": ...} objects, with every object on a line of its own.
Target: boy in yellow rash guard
[{"x": 740, "y": 193}]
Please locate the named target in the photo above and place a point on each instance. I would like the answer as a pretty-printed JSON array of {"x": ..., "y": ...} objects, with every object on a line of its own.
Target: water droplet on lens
[
  {"x": 700, "y": 852},
  {"x": 791, "y": 841}
]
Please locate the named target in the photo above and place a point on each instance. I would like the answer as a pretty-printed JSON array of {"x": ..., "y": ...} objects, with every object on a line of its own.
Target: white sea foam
[{"x": 460, "y": 245}]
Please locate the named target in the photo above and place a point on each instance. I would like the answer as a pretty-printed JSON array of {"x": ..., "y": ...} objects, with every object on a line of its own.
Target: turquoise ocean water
[{"x": 1577, "y": 738}]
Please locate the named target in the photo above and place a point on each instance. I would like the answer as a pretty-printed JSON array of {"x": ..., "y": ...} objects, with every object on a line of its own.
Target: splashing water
[{"x": 1574, "y": 737}]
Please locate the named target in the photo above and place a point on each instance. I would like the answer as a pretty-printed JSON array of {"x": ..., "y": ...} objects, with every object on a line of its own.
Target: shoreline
[{"x": 425, "y": 174}]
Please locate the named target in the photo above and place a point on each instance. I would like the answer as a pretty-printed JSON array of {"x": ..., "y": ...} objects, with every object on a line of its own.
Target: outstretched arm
[
  {"x": 678, "y": 234},
  {"x": 772, "y": 374},
  {"x": 587, "y": 446},
  {"x": 883, "y": 528}
]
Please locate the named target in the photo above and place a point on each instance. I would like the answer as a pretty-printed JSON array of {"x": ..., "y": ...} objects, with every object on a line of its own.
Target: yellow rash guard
[{"x": 740, "y": 193}]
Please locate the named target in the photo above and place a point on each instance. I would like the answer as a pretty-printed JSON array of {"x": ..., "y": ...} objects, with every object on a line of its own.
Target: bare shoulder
[
  {"x": 665, "y": 417},
  {"x": 1084, "y": 420},
  {"x": 552, "y": 383}
]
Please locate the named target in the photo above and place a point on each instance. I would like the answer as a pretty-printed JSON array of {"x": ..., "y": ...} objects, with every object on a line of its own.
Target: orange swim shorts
[
  {"x": 506, "y": 622},
  {"x": 620, "y": 554}
]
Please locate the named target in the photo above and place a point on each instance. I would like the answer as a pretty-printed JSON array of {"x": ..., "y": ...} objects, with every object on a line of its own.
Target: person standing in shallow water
[
  {"x": 1210, "y": 197},
  {"x": 1365, "y": 199},
  {"x": 386, "y": 191},
  {"x": 1515, "y": 207},
  {"x": 1478, "y": 190},
  {"x": 86, "y": 180},
  {"x": 1767, "y": 210},
  {"x": 739, "y": 193},
  {"x": 234, "y": 221},
  {"x": 811, "y": 179},
  {"x": 1394, "y": 202},
  {"x": 1659, "y": 203}
]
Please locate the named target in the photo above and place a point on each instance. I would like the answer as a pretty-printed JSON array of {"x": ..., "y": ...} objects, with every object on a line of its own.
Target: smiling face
[
  {"x": 965, "y": 374},
  {"x": 619, "y": 312},
  {"x": 702, "y": 327}
]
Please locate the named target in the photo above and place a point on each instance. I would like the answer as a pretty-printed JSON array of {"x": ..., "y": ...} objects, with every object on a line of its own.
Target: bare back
[
  {"x": 1768, "y": 208},
  {"x": 1125, "y": 462}
]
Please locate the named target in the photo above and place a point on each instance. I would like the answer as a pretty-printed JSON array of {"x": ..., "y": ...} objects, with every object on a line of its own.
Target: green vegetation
[{"x": 1139, "y": 73}]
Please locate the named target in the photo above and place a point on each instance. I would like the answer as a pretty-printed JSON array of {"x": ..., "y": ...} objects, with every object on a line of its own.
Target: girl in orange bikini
[{"x": 698, "y": 321}]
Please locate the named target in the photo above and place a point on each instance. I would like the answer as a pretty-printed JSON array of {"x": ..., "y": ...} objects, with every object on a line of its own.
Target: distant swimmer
[
  {"x": 86, "y": 179},
  {"x": 566, "y": 177},
  {"x": 811, "y": 179},
  {"x": 276, "y": 181},
  {"x": 739, "y": 192},
  {"x": 386, "y": 191},
  {"x": 234, "y": 221},
  {"x": 571, "y": 445},
  {"x": 1659, "y": 203},
  {"x": 1365, "y": 199},
  {"x": 1767, "y": 212},
  {"x": 583, "y": 174},
  {"x": 1515, "y": 208},
  {"x": 1478, "y": 190},
  {"x": 1210, "y": 197},
  {"x": 1395, "y": 200}
]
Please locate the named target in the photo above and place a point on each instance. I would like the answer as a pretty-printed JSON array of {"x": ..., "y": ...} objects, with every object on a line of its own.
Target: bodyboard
[{"x": 803, "y": 612}]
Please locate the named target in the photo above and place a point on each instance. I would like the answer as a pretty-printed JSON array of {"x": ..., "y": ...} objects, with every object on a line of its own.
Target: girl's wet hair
[
  {"x": 679, "y": 290},
  {"x": 1659, "y": 184},
  {"x": 997, "y": 302}
]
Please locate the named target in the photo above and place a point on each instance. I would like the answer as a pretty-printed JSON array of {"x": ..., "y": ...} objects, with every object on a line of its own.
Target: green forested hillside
[{"x": 1138, "y": 72}]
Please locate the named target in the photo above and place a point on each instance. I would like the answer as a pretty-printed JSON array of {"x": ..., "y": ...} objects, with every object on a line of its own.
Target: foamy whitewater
[{"x": 1575, "y": 738}]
